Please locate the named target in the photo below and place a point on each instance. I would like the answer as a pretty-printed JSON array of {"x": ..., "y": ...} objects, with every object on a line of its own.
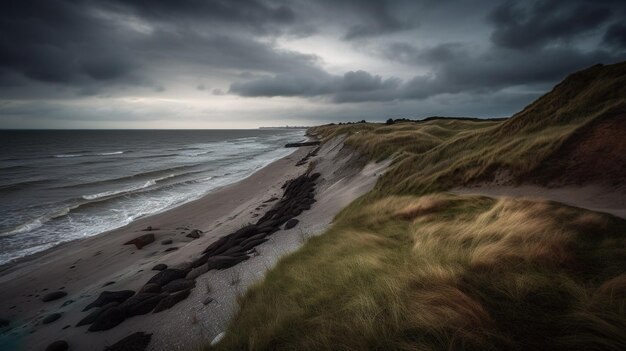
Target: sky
[{"x": 250, "y": 63}]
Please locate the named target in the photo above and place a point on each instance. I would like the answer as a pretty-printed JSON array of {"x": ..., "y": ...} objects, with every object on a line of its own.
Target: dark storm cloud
[
  {"x": 542, "y": 22},
  {"x": 84, "y": 47}
]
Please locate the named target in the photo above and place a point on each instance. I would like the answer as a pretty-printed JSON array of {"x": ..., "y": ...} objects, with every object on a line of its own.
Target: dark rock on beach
[
  {"x": 159, "y": 267},
  {"x": 149, "y": 229},
  {"x": 179, "y": 284},
  {"x": 150, "y": 288},
  {"x": 51, "y": 318},
  {"x": 167, "y": 276},
  {"x": 308, "y": 143},
  {"x": 93, "y": 315},
  {"x": 59, "y": 345},
  {"x": 141, "y": 304},
  {"x": 291, "y": 223},
  {"x": 135, "y": 342},
  {"x": 166, "y": 242},
  {"x": 141, "y": 241},
  {"x": 108, "y": 319},
  {"x": 110, "y": 296},
  {"x": 194, "y": 234},
  {"x": 170, "y": 249},
  {"x": 172, "y": 300},
  {"x": 53, "y": 296}
]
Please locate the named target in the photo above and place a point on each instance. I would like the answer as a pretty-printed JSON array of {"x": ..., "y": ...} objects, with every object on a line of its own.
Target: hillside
[{"x": 411, "y": 267}]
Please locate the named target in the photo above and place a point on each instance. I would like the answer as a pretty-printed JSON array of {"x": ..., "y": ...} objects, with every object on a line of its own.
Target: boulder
[
  {"x": 141, "y": 241},
  {"x": 108, "y": 319},
  {"x": 167, "y": 276},
  {"x": 51, "y": 318},
  {"x": 171, "y": 300},
  {"x": 194, "y": 234},
  {"x": 291, "y": 223},
  {"x": 59, "y": 345},
  {"x": 179, "y": 284},
  {"x": 93, "y": 315},
  {"x": 53, "y": 296},
  {"x": 166, "y": 242},
  {"x": 150, "y": 288},
  {"x": 170, "y": 249},
  {"x": 159, "y": 267},
  {"x": 107, "y": 297},
  {"x": 141, "y": 304},
  {"x": 198, "y": 271},
  {"x": 223, "y": 262},
  {"x": 135, "y": 342}
]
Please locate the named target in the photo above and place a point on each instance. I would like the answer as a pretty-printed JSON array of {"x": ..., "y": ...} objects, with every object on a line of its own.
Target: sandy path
[
  {"x": 591, "y": 197},
  {"x": 103, "y": 258}
]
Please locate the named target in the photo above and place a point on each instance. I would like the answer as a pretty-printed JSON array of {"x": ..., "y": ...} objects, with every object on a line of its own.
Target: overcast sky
[{"x": 250, "y": 63}]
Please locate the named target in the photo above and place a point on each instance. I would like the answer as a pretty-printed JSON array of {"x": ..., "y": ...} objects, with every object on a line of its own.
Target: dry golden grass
[{"x": 453, "y": 273}]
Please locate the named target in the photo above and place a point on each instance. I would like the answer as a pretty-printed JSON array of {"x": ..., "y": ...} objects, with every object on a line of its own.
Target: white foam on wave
[
  {"x": 110, "y": 153},
  {"x": 37, "y": 222},
  {"x": 70, "y": 155},
  {"x": 110, "y": 193}
]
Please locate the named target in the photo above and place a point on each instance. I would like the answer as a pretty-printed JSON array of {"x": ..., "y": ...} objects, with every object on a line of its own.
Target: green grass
[{"x": 409, "y": 267}]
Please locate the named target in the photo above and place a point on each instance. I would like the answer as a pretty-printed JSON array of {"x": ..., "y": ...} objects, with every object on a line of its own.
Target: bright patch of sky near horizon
[{"x": 251, "y": 63}]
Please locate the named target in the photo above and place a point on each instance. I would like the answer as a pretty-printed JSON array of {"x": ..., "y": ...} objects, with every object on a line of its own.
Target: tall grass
[
  {"x": 445, "y": 272},
  {"x": 407, "y": 267}
]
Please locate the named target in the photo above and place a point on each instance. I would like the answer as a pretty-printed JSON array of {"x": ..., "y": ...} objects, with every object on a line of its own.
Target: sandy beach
[{"x": 81, "y": 268}]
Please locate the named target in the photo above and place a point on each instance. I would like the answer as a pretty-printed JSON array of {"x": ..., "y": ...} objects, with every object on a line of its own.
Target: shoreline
[
  {"x": 8, "y": 265},
  {"x": 83, "y": 267}
]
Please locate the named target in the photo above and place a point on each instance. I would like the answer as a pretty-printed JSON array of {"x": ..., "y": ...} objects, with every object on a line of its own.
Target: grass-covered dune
[{"x": 411, "y": 267}]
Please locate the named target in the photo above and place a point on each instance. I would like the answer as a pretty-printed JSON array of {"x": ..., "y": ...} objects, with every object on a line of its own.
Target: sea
[{"x": 62, "y": 185}]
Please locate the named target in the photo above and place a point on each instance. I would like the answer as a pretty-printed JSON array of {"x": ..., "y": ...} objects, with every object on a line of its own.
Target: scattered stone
[
  {"x": 53, "y": 296},
  {"x": 149, "y": 229},
  {"x": 150, "y": 288},
  {"x": 51, "y": 318},
  {"x": 110, "y": 296},
  {"x": 171, "y": 300},
  {"x": 135, "y": 342},
  {"x": 108, "y": 283},
  {"x": 141, "y": 241},
  {"x": 167, "y": 276},
  {"x": 108, "y": 319},
  {"x": 67, "y": 303},
  {"x": 223, "y": 262},
  {"x": 59, "y": 345},
  {"x": 170, "y": 249},
  {"x": 72, "y": 267},
  {"x": 166, "y": 242},
  {"x": 65, "y": 327},
  {"x": 179, "y": 284},
  {"x": 159, "y": 267},
  {"x": 93, "y": 315},
  {"x": 194, "y": 234},
  {"x": 291, "y": 223},
  {"x": 141, "y": 304}
]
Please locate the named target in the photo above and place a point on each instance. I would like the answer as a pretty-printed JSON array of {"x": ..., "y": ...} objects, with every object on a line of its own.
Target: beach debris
[
  {"x": 53, "y": 296},
  {"x": 141, "y": 241},
  {"x": 291, "y": 223},
  {"x": 194, "y": 234},
  {"x": 135, "y": 342},
  {"x": 271, "y": 199},
  {"x": 93, "y": 315},
  {"x": 179, "y": 284},
  {"x": 107, "y": 297},
  {"x": 167, "y": 276},
  {"x": 166, "y": 242},
  {"x": 59, "y": 345},
  {"x": 159, "y": 267},
  {"x": 217, "y": 338},
  {"x": 172, "y": 300},
  {"x": 51, "y": 318}
]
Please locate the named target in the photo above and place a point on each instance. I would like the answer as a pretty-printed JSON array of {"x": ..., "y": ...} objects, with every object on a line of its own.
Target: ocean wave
[
  {"x": 38, "y": 222},
  {"x": 23, "y": 184},
  {"x": 110, "y": 153},
  {"x": 68, "y": 155},
  {"x": 111, "y": 193}
]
